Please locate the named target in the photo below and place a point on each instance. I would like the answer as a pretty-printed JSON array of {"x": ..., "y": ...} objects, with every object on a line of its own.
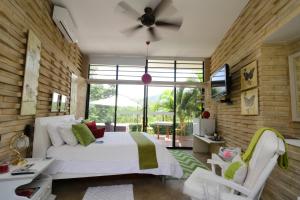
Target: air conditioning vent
[{"x": 64, "y": 22}]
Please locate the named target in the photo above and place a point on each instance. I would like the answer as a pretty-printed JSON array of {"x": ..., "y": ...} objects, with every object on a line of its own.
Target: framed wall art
[
  {"x": 294, "y": 68},
  {"x": 73, "y": 100},
  {"x": 249, "y": 76},
  {"x": 31, "y": 75},
  {"x": 63, "y": 103},
  {"x": 55, "y": 102},
  {"x": 249, "y": 102}
]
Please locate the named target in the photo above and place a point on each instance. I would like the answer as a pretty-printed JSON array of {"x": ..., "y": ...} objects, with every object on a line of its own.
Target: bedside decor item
[
  {"x": 4, "y": 167},
  {"x": 18, "y": 144},
  {"x": 294, "y": 68},
  {"x": 31, "y": 75},
  {"x": 249, "y": 102},
  {"x": 249, "y": 76},
  {"x": 73, "y": 100},
  {"x": 205, "y": 115},
  {"x": 55, "y": 102},
  {"x": 63, "y": 103}
]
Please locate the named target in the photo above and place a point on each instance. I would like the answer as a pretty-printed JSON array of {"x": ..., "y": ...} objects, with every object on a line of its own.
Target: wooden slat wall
[
  {"x": 243, "y": 44},
  {"x": 58, "y": 60},
  {"x": 275, "y": 108}
]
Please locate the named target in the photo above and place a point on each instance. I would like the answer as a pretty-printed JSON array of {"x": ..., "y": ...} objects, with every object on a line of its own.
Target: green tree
[
  {"x": 101, "y": 91},
  {"x": 188, "y": 104},
  {"x": 101, "y": 113}
]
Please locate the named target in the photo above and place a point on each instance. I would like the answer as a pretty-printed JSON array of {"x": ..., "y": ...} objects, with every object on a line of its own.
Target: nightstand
[{"x": 41, "y": 182}]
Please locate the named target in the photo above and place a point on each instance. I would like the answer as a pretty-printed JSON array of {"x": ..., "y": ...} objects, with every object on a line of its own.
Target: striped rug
[{"x": 187, "y": 161}]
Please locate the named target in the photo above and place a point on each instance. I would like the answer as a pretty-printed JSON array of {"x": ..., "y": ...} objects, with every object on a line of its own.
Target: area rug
[
  {"x": 115, "y": 192},
  {"x": 187, "y": 162}
]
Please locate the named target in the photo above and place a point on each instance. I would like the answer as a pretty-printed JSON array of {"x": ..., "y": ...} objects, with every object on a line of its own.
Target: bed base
[{"x": 75, "y": 176}]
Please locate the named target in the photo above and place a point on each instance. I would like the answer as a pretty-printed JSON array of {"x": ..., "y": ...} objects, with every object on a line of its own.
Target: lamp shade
[{"x": 146, "y": 78}]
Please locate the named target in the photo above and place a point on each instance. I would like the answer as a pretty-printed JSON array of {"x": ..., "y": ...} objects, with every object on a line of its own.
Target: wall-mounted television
[{"x": 220, "y": 82}]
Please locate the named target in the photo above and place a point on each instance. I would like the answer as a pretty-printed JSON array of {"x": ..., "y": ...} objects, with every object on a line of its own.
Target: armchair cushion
[{"x": 236, "y": 171}]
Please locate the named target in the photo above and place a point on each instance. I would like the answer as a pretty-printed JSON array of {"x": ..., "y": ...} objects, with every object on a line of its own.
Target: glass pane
[
  {"x": 107, "y": 72},
  {"x": 189, "y": 71},
  {"x": 160, "y": 113},
  {"x": 130, "y": 108},
  {"x": 161, "y": 70},
  {"x": 188, "y": 106},
  {"x": 102, "y": 105},
  {"x": 131, "y": 72}
]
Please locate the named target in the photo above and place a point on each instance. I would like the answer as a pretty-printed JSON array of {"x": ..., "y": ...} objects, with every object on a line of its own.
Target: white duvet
[{"x": 118, "y": 154}]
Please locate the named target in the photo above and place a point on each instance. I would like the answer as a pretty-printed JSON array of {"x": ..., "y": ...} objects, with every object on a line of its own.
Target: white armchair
[{"x": 206, "y": 185}]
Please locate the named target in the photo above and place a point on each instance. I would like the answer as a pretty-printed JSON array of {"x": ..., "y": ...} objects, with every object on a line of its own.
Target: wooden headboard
[{"x": 41, "y": 140}]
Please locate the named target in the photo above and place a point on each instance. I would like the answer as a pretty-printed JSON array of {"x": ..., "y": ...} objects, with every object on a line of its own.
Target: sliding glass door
[
  {"x": 160, "y": 113},
  {"x": 188, "y": 106},
  {"x": 102, "y": 99},
  {"x": 129, "y": 108},
  {"x": 120, "y": 102}
]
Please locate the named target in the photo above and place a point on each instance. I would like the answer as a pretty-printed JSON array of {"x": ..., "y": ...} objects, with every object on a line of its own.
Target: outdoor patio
[{"x": 181, "y": 141}]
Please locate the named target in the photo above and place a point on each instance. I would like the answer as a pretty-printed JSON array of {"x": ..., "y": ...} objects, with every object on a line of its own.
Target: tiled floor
[{"x": 146, "y": 187}]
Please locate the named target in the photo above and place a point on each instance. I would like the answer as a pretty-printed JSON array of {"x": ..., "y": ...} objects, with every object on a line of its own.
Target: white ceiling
[
  {"x": 288, "y": 33},
  {"x": 205, "y": 23}
]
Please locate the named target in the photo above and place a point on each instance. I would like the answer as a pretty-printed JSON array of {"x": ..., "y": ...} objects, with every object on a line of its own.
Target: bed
[{"x": 118, "y": 154}]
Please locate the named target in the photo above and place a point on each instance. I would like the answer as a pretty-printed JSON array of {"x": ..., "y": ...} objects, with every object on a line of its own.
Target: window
[
  {"x": 119, "y": 101},
  {"x": 108, "y": 72},
  {"x": 190, "y": 72}
]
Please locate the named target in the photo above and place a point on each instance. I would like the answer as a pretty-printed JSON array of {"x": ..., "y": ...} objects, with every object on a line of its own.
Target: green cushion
[
  {"x": 83, "y": 134},
  {"x": 231, "y": 170}
]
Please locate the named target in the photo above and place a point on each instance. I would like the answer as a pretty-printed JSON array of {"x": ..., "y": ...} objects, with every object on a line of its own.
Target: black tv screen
[{"x": 220, "y": 82}]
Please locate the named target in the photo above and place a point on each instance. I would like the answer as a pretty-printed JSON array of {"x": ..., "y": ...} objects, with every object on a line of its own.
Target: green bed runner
[{"x": 147, "y": 152}]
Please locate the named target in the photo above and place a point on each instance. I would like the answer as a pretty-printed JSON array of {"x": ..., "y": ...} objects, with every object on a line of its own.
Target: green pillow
[
  {"x": 236, "y": 171},
  {"x": 83, "y": 134}
]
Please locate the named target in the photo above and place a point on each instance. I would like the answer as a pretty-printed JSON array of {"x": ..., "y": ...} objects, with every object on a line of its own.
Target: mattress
[{"x": 118, "y": 154}]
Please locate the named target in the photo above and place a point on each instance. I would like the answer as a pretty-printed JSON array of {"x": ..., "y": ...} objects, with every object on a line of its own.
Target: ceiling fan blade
[
  {"x": 169, "y": 24},
  {"x": 131, "y": 30},
  {"x": 127, "y": 9},
  {"x": 163, "y": 5},
  {"x": 153, "y": 34}
]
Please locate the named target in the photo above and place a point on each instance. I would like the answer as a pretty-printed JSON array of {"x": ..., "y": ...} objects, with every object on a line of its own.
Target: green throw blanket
[
  {"x": 282, "y": 160},
  {"x": 147, "y": 152}
]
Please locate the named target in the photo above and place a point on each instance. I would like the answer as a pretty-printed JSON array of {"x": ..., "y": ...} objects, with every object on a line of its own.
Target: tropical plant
[{"x": 188, "y": 104}]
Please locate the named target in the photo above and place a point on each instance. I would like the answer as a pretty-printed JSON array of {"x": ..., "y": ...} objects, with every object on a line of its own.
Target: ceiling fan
[{"x": 150, "y": 18}]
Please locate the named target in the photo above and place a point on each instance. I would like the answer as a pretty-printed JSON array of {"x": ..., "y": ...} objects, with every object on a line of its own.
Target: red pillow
[
  {"x": 98, "y": 132},
  {"x": 92, "y": 125}
]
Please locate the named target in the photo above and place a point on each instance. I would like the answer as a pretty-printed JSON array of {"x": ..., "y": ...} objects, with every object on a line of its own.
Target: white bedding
[{"x": 117, "y": 155}]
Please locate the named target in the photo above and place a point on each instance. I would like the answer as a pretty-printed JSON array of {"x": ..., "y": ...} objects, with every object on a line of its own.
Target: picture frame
[
  {"x": 249, "y": 76},
  {"x": 31, "y": 75},
  {"x": 73, "y": 98},
  {"x": 294, "y": 70},
  {"x": 249, "y": 102},
  {"x": 63, "y": 103},
  {"x": 55, "y": 102}
]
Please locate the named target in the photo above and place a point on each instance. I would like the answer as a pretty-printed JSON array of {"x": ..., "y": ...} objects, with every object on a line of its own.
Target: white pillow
[
  {"x": 54, "y": 135},
  {"x": 67, "y": 135},
  {"x": 237, "y": 170}
]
